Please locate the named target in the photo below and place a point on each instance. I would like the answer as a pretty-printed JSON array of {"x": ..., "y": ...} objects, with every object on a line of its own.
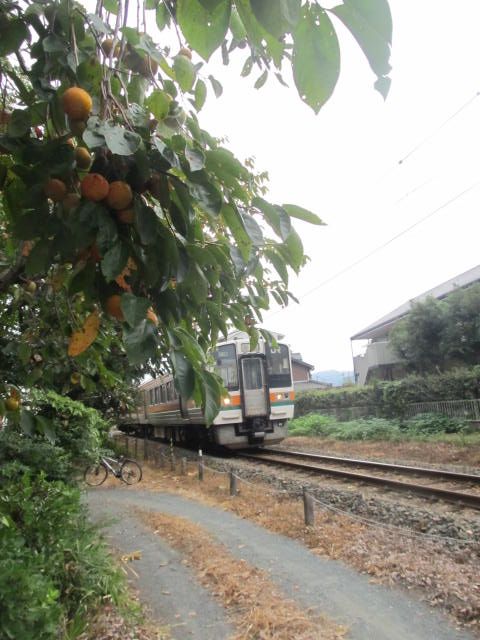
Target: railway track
[{"x": 312, "y": 463}]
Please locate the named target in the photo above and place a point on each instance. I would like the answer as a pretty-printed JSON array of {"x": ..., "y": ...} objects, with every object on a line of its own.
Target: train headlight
[
  {"x": 227, "y": 401},
  {"x": 279, "y": 396}
]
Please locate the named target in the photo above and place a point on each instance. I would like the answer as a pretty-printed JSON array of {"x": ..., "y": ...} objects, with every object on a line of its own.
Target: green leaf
[
  {"x": 253, "y": 229},
  {"x": 119, "y": 140},
  {"x": 382, "y": 85},
  {"x": 20, "y": 123},
  {"x": 236, "y": 25},
  {"x": 247, "y": 67},
  {"x": 294, "y": 246},
  {"x": 184, "y": 374},
  {"x": 204, "y": 29},
  {"x": 370, "y": 23},
  {"x": 200, "y": 94},
  {"x": 184, "y": 72},
  {"x": 45, "y": 426},
  {"x": 316, "y": 57},
  {"x": 211, "y": 394},
  {"x": 54, "y": 44},
  {"x": 12, "y": 34},
  {"x": 39, "y": 259},
  {"x": 140, "y": 342},
  {"x": 162, "y": 16},
  {"x": 208, "y": 197},
  {"x": 236, "y": 225},
  {"x": 24, "y": 352},
  {"x": 216, "y": 86},
  {"x": 99, "y": 25},
  {"x": 261, "y": 80},
  {"x": 111, "y": 6},
  {"x": 114, "y": 261},
  {"x": 302, "y": 214},
  {"x": 278, "y": 263},
  {"x": 134, "y": 308},
  {"x": 271, "y": 15},
  {"x": 159, "y": 103},
  {"x": 258, "y": 35},
  {"x": 146, "y": 222},
  {"x": 195, "y": 158},
  {"x": 27, "y": 422}
]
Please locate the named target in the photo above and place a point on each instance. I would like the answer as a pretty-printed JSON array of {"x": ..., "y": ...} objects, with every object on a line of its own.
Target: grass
[{"x": 426, "y": 427}]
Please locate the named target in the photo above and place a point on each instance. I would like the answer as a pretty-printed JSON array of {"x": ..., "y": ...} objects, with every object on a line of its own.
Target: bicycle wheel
[
  {"x": 131, "y": 472},
  {"x": 95, "y": 474}
]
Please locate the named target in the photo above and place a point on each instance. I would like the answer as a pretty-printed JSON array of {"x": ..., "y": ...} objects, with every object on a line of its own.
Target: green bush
[
  {"x": 390, "y": 399},
  {"x": 421, "y": 426},
  {"x": 35, "y": 454},
  {"x": 78, "y": 429},
  {"x": 431, "y": 423},
  {"x": 52, "y": 566},
  {"x": 328, "y": 427}
]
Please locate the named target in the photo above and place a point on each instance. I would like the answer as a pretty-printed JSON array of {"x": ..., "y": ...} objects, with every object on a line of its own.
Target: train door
[{"x": 255, "y": 392}]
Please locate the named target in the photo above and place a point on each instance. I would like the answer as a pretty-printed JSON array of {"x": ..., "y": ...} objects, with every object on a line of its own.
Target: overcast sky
[{"x": 344, "y": 165}]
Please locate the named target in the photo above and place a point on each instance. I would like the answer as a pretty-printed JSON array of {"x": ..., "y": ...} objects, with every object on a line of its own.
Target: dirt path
[{"x": 371, "y": 612}]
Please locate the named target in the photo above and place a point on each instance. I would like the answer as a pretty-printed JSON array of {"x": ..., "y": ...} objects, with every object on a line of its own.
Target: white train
[{"x": 259, "y": 404}]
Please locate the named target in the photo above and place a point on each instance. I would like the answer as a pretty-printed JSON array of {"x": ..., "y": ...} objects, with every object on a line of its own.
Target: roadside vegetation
[
  {"x": 55, "y": 571},
  {"x": 428, "y": 427}
]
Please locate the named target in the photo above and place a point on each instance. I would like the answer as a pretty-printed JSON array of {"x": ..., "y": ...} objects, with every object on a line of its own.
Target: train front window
[
  {"x": 278, "y": 366},
  {"x": 226, "y": 366}
]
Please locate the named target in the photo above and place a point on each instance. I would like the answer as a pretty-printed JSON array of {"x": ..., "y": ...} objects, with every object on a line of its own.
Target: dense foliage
[
  {"x": 421, "y": 427},
  {"x": 441, "y": 334},
  {"x": 391, "y": 398},
  {"x": 53, "y": 567},
  {"x": 118, "y": 206}
]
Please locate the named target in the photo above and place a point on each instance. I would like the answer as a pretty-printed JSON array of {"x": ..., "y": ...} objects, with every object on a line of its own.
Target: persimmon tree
[{"x": 117, "y": 205}]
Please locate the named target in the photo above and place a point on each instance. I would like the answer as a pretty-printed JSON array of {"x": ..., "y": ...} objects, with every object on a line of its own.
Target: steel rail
[
  {"x": 373, "y": 464},
  {"x": 456, "y": 497}
]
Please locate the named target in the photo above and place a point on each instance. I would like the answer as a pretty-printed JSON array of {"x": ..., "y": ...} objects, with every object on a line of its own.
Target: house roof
[
  {"x": 297, "y": 358},
  {"x": 382, "y": 326}
]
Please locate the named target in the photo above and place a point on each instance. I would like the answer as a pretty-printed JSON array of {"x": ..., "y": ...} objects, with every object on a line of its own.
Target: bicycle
[{"x": 125, "y": 469}]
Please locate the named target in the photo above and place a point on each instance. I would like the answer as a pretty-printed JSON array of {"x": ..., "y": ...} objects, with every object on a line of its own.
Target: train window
[
  {"x": 163, "y": 393},
  {"x": 226, "y": 365},
  {"x": 252, "y": 373},
  {"x": 157, "y": 395},
  {"x": 151, "y": 396},
  {"x": 278, "y": 366}
]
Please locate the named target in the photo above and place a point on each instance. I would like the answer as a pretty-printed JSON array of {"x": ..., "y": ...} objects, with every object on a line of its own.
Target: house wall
[
  {"x": 300, "y": 373},
  {"x": 377, "y": 354}
]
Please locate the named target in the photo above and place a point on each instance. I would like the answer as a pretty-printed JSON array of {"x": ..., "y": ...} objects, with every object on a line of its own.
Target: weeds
[{"x": 423, "y": 427}]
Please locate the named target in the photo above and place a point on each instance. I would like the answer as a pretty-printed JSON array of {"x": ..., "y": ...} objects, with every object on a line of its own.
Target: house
[
  {"x": 302, "y": 375},
  {"x": 379, "y": 361}
]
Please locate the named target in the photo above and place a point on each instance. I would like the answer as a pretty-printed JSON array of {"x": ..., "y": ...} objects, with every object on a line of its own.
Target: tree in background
[
  {"x": 461, "y": 339},
  {"x": 440, "y": 334},
  {"x": 418, "y": 339}
]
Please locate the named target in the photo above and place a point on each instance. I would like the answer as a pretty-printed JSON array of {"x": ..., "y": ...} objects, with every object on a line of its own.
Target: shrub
[
  {"x": 52, "y": 565},
  {"x": 390, "y": 399},
  {"x": 430, "y": 423}
]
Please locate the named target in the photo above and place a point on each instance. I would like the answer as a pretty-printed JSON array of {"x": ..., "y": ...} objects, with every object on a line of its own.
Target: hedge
[{"x": 389, "y": 399}]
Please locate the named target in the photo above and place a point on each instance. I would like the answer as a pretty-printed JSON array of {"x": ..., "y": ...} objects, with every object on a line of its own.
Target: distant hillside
[{"x": 336, "y": 378}]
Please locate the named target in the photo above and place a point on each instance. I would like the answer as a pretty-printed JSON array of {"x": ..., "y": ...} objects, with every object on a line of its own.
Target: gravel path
[{"x": 371, "y": 612}]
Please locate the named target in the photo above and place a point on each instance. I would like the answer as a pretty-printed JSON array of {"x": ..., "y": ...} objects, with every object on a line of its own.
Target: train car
[{"x": 255, "y": 411}]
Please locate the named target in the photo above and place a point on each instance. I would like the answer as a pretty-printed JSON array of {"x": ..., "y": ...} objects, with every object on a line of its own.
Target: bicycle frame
[{"x": 112, "y": 469}]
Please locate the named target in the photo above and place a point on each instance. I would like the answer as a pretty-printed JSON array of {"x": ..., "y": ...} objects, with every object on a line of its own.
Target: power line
[
  {"x": 382, "y": 246},
  {"x": 435, "y": 131},
  {"x": 423, "y": 141}
]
